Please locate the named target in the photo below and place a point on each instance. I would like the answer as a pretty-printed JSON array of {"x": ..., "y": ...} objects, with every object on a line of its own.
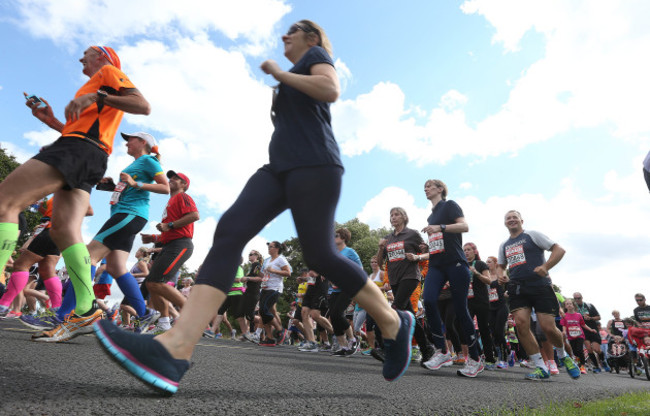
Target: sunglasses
[
  {"x": 639, "y": 300},
  {"x": 295, "y": 27}
]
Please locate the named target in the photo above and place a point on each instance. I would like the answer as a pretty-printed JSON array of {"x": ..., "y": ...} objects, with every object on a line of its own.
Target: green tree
[{"x": 7, "y": 165}]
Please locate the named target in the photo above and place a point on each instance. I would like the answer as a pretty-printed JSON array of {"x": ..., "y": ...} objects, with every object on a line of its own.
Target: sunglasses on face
[{"x": 639, "y": 300}]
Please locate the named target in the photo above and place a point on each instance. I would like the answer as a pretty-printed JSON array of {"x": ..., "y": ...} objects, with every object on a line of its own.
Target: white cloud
[
  {"x": 591, "y": 75},
  {"x": 344, "y": 74},
  {"x": 606, "y": 242},
  {"x": 67, "y": 21}
]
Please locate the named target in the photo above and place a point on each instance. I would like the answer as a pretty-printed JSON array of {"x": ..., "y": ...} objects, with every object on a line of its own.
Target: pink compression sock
[
  {"x": 54, "y": 289},
  {"x": 16, "y": 285}
]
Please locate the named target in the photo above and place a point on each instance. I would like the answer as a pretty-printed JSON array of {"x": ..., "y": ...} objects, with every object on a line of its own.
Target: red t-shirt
[{"x": 178, "y": 206}]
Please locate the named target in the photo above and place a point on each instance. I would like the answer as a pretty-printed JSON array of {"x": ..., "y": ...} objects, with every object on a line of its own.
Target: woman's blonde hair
[{"x": 314, "y": 29}]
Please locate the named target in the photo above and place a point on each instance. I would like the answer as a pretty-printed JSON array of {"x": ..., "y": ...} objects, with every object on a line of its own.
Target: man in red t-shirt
[{"x": 175, "y": 239}]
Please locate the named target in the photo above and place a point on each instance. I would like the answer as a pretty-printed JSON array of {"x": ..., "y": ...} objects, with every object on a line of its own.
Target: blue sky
[{"x": 539, "y": 106}]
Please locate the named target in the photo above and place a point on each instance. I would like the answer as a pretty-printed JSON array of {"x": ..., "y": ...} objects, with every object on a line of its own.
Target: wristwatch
[
  {"x": 443, "y": 227},
  {"x": 139, "y": 184},
  {"x": 170, "y": 225},
  {"x": 101, "y": 95}
]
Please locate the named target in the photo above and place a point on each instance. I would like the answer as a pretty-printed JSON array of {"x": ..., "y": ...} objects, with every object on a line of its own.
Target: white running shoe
[
  {"x": 438, "y": 360},
  {"x": 472, "y": 368}
]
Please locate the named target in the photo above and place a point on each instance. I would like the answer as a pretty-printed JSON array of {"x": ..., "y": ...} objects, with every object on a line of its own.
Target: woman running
[
  {"x": 304, "y": 175},
  {"x": 401, "y": 249},
  {"x": 447, "y": 262},
  {"x": 498, "y": 313},
  {"x": 253, "y": 280}
]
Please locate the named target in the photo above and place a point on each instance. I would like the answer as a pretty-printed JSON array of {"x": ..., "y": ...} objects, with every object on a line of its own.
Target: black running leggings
[
  {"x": 339, "y": 302},
  {"x": 402, "y": 292},
  {"x": 311, "y": 193},
  {"x": 498, "y": 320}
]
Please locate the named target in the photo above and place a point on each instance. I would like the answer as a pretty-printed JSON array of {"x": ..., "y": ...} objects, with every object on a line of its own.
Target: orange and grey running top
[{"x": 98, "y": 123}]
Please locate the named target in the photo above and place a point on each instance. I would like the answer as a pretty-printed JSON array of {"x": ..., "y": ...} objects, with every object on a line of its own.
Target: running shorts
[
  {"x": 541, "y": 298},
  {"x": 120, "y": 230},
  {"x": 81, "y": 162},
  {"x": 169, "y": 261},
  {"x": 42, "y": 245},
  {"x": 102, "y": 290}
]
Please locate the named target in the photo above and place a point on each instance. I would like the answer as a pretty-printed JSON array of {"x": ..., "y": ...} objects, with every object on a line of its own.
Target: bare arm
[
  {"x": 557, "y": 253},
  {"x": 321, "y": 85},
  {"x": 160, "y": 187},
  {"x": 458, "y": 227}
]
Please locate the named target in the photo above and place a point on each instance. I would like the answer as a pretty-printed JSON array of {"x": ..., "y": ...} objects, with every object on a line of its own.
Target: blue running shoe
[
  {"x": 142, "y": 356},
  {"x": 143, "y": 323},
  {"x": 44, "y": 322},
  {"x": 538, "y": 374},
  {"x": 511, "y": 359},
  {"x": 397, "y": 352},
  {"x": 571, "y": 367}
]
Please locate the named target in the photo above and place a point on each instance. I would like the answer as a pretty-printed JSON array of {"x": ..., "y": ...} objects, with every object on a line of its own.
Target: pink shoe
[
  {"x": 552, "y": 366},
  {"x": 13, "y": 315}
]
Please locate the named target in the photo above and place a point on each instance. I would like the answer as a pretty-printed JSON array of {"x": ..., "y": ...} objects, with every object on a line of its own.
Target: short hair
[
  {"x": 345, "y": 234},
  {"x": 640, "y": 295},
  {"x": 402, "y": 211},
  {"x": 439, "y": 184},
  {"x": 516, "y": 212}
]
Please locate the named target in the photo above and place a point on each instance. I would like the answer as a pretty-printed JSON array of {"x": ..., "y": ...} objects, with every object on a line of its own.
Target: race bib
[
  {"x": 40, "y": 228},
  {"x": 470, "y": 291},
  {"x": 265, "y": 279},
  {"x": 436, "y": 243},
  {"x": 396, "y": 251},
  {"x": 575, "y": 331},
  {"x": 117, "y": 192},
  {"x": 619, "y": 325},
  {"x": 515, "y": 255},
  {"x": 493, "y": 295}
]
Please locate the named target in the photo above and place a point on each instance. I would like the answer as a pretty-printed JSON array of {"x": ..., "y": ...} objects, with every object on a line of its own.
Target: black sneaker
[
  {"x": 142, "y": 356},
  {"x": 377, "y": 354},
  {"x": 427, "y": 353},
  {"x": 397, "y": 352},
  {"x": 341, "y": 352}
]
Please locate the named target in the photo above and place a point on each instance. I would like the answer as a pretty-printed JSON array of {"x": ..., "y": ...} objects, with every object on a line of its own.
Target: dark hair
[
  {"x": 345, "y": 234},
  {"x": 280, "y": 246}
]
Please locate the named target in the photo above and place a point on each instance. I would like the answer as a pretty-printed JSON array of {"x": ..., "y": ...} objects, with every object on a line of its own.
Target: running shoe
[
  {"x": 143, "y": 323},
  {"x": 597, "y": 370},
  {"x": 416, "y": 355},
  {"x": 158, "y": 329},
  {"x": 606, "y": 367},
  {"x": 490, "y": 366},
  {"x": 538, "y": 374},
  {"x": 511, "y": 359},
  {"x": 341, "y": 352},
  {"x": 233, "y": 334},
  {"x": 73, "y": 326},
  {"x": 378, "y": 354},
  {"x": 502, "y": 365},
  {"x": 325, "y": 348},
  {"x": 459, "y": 360},
  {"x": 268, "y": 342},
  {"x": 113, "y": 313},
  {"x": 282, "y": 336},
  {"x": 208, "y": 334},
  {"x": 12, "y": 315},
  {"x": 249, "y": 337},
  {"x": 142, "y": 356},
  {"x": 438, "y": 360},
  {"x": 397, "y": 352},
  {"x": 366, "y": 352},
  {"x": 3, "y": 311},
  {"x": 552, "y": 368},
  {"x": 309, "y": 346},
  {"x": 472, "y": 368},
  {"x": 571, "y": 367},
  {"x": 218, "y": 335},
  {"x": 44, "y": 322}
]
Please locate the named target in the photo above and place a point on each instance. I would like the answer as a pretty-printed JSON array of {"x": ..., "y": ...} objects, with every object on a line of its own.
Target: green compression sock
[
  {"x": 77, "y": 261},
  {"x": 8, "y": 237}
]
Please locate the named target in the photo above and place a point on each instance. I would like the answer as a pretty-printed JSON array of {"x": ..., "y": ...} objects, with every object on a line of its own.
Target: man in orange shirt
[{"x": 69, "y": 168}]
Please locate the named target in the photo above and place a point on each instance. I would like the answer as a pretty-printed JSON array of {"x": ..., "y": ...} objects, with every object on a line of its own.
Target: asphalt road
[{"x": 232, "y": 377}]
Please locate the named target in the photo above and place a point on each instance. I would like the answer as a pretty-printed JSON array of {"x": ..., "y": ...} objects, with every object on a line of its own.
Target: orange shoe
[{"x": 73, "y": 325}]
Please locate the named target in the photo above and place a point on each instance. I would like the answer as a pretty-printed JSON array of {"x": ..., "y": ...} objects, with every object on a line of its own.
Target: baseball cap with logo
[{"x": 141, "y": 135}]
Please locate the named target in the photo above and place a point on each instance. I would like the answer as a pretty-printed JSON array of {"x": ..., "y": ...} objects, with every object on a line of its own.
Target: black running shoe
[{"x": 142, "y": 356}]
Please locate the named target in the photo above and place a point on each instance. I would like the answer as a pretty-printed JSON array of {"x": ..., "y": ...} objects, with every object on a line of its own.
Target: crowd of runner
[{"x": 430, "y": 299}]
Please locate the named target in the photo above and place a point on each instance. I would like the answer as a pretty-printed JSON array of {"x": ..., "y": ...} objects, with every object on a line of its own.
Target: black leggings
[
  {"x": 311, "y": 193},
  {"x": 402, "y": 292},
  {"x": 498, "y": 319},
  {"x": 339, "y": 302},
  {"x": 482, "y": 313},
  {"x": 448, "y": 316},
  {"x": 577, "y": 345}
]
